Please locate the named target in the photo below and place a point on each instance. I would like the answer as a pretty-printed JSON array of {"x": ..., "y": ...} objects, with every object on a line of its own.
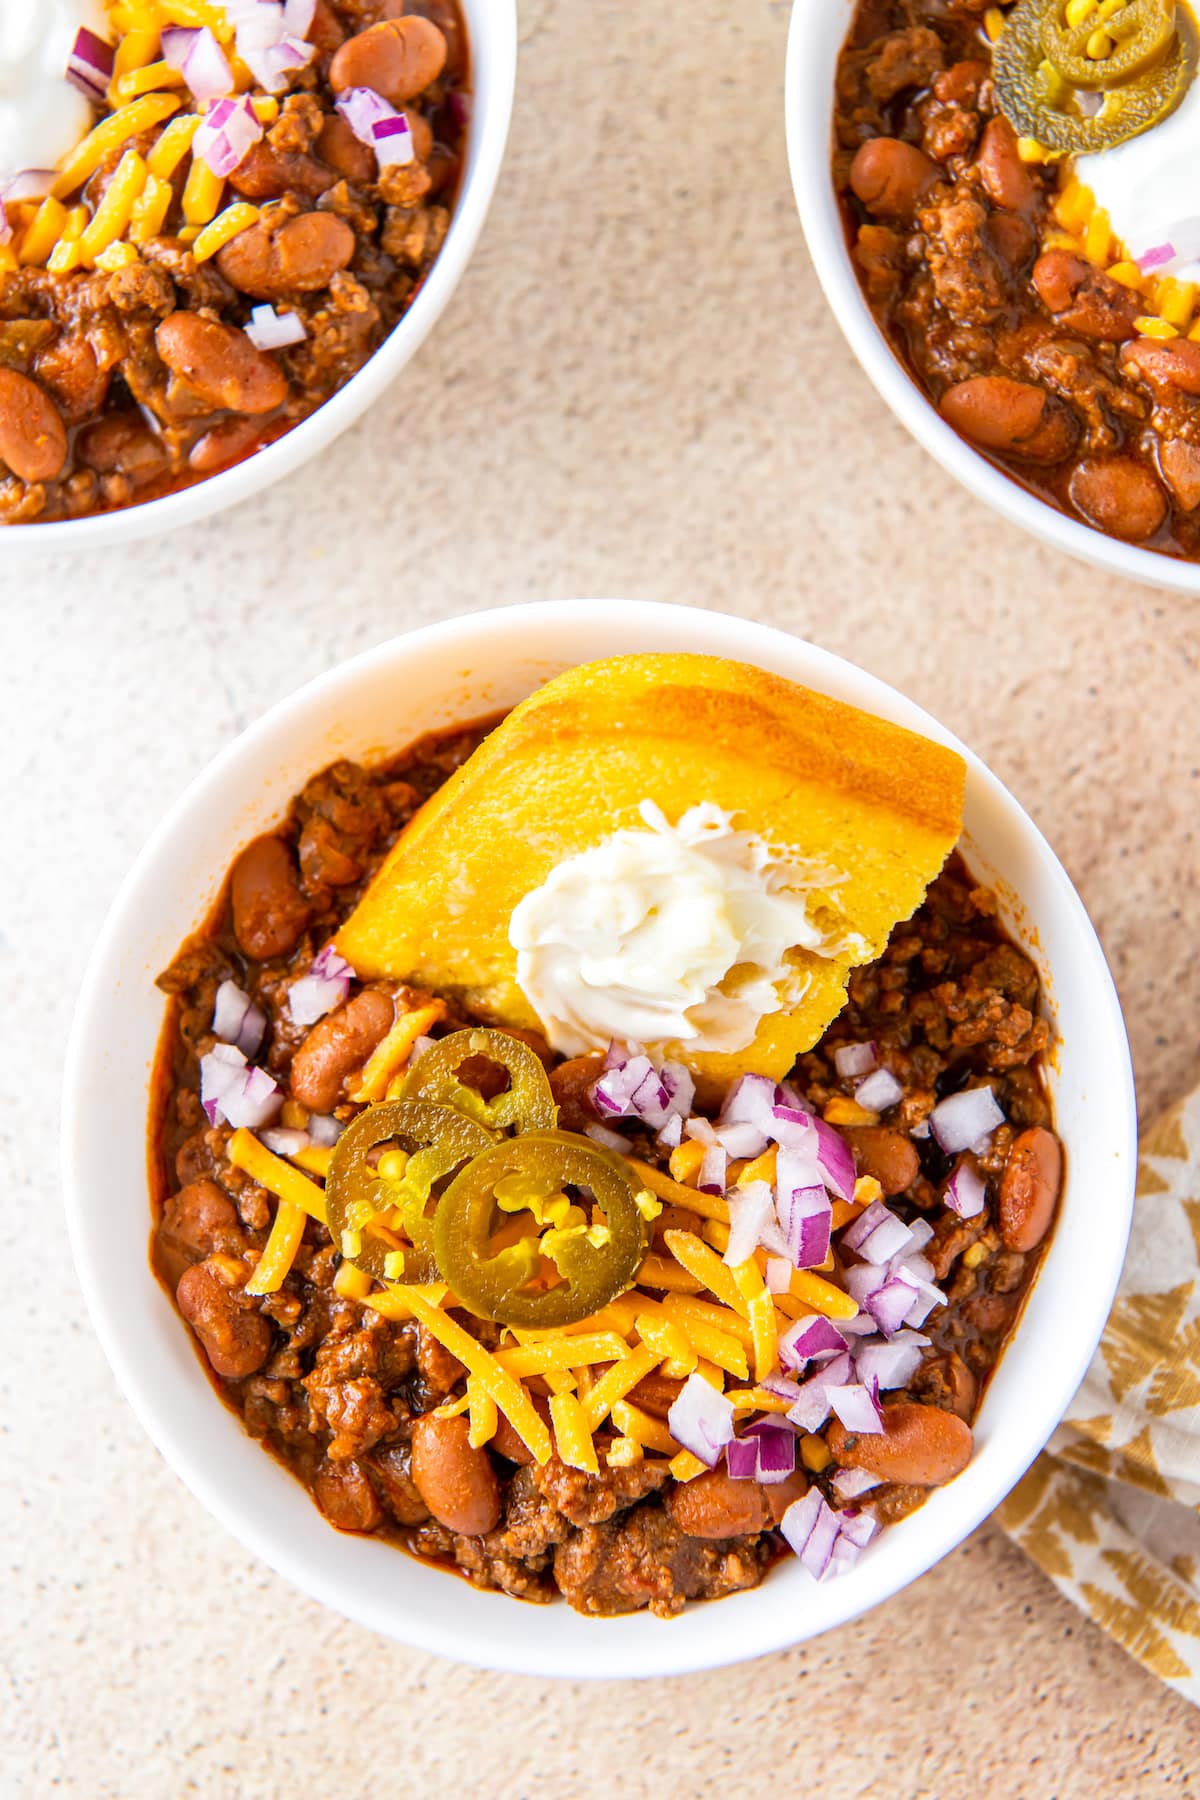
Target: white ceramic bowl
[
  {"x": 818, "y": 30},
  {"x": 376, "y": 703},
  {"x": 492, "y": 29}
]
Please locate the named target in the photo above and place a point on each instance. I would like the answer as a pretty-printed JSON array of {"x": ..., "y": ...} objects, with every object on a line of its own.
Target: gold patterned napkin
[{"x": 1111, "y": 1510}]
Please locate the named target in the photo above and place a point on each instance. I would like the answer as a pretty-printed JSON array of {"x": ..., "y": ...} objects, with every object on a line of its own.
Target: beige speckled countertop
[{"x": 637, "y": 390}]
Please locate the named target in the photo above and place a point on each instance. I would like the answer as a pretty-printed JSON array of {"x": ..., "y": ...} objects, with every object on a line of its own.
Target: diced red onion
[
  {"x": 879, "y": 1091},
  {"x": 237, "y": 1020},
  {"x": 90, "y": 65},
  {"x": 324, "y": 987},
  {"x": 269, "y": 330},
  {"x": 285, "y": 1140},
  {"x": 890, "y": 1365},
  {"x": 363, "y": 109},
  {"x": 877, "y": 1234},
  {"x": 811, "y": 1410},
  {"x": 965, "y": 1119},
  {"x": 271, "y": 64},
  {"x": 1156, "y": 257},
  {"x": 779, "y": 1384},
  {"x": 232, "y": 1089},
  {"x": 227, "y": 133},
  {"x": 199, "y": 59},
  {"x": 848, "y": 1484},
  {"x": 857, "y": 1525},
  {"x": 749, "y": 1209},
  {"x": 966, "y": 1192},
  {"x": 29, "y": 184},
  {"x": 776, "y": 1450},
  {"x": 919, "y": 1130},
  {"x": 741, "y": 1459},
  {"x": 920, "y": 1233},
  {"x": 298, "y": 17},
  {"x": 811, "y": 1528},
  {"x": 812, "y": 1336},
  {"x": 701, "y": 1129},
  {"x": 701, "y": 1420},
  {"x": 765, "y": 1453},
  {"x": 751, "y": 1101},
  {"x": 741, "y": 1140},
  {"x": 680, "y": 1086},
  {"x": 786, "y": 1095},
  {"x": 806, "y": 1219},
  {"x": 420, "y": 1047},
  {"x": 891, "y": 1304},
  {"x": 631, "y": 1087},
  {"x": 836, "y": 1160},
  {"x": 393, "y": 141},
  {"x": 324, "y": 1129},
  {"x": 854, "y": 1059},
  {"x": 711, "y": 1178},
  {"x": 857, "y": 1407},
  {"x": 612, "y": 1140},
  {"x": 671, "y": 1135}
]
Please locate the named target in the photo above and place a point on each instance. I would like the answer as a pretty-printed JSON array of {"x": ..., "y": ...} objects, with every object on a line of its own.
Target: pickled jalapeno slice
[{"x": 525, "y": 1103}]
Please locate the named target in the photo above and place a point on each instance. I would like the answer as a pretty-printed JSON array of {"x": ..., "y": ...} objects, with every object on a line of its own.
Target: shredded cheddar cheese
[
  {"x": 393, "y": 1053},
  {"x": 497, "y": 1382},
  {"x": 572, "y": 1438},
  {"x": 278, "y": 1177},
  {"x": 279, "y": 1252}
]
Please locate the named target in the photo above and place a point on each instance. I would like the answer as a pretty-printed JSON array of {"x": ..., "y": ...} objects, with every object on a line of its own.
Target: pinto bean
[
  {"x": 956, "y": 1384},
  {"x": 1180, "y": 464},
  {"x": 890, "y": 176},
  {"x": 301, "y": 256},
  {"x": 326, "y": 33},
  {"x": 226, "y": 443},
  {"x": 1165, "y": 366},
  {"x": 265, "y": 173},
  {"x": 887, "y": 1155},
  {"x": 1118, "y": 494},
  {"x": 1083, "y": 298},
  {"x": 443, "y": 14},
  {"x": 399, "y": 58},
  {"x": 197, "y": 1220},
  {"x": 121, "y": 444},
  {"x": 345, "y": 1495},
  {"x": 716, "y": 1506},
  {"x": 391, "y": 1469},
  {"x": 347, "y": 155},
  {"x": 1002, "y": 414},
  {"x": 1029, "y": 1188},
  {"x": 33, "y": 438},
  {"x": 919, "y": 1446},
  {"x": 336, "y": 1046},
  {"x": 1009, "y": 182},
  {"x": 235, "y": 1336},
  {"x": 270, "y": 915},
  {"x": 455, "y": 1480},
  {"x": 220, "y": 363}
]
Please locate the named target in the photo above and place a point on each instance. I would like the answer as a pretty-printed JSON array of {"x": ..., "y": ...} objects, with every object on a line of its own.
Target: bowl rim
[
  {"x": 494, "y": 76},
  {"x": 808, "y": 106},
  {"x": 680, "y": 1651}
]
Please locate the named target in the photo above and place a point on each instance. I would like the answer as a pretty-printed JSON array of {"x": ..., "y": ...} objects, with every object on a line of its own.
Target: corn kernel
[
  {"x": 973, "y": 1255},
  {"x": 815, "y": 1454},
  {"x": 1099, "y": 45},
  {"x": 391, "y": 1165},
  {"x": 1078, "y": 11},
  {"x": 1155, "y": 328}
]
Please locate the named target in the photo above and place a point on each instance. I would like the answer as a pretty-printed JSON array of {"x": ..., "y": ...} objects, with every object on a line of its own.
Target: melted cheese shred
[{"x": 700, "y": 1316}]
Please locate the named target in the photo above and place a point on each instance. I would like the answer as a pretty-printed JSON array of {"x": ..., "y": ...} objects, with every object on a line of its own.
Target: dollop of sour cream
[
  {"x": 42, "y": 116},
  {"x": 675, "y": 933},
  {"x": 1148, "y": 187}
]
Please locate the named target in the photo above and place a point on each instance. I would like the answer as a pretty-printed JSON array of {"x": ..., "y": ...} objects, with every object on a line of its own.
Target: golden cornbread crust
[{"x": 831, "y": 786}]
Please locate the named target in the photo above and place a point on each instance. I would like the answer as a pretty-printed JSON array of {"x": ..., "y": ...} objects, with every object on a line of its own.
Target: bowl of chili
[
  {"x": 207, "y": 290},
  {"x": 958, "y": 349},
  {"x": 449, "y": 675}
]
